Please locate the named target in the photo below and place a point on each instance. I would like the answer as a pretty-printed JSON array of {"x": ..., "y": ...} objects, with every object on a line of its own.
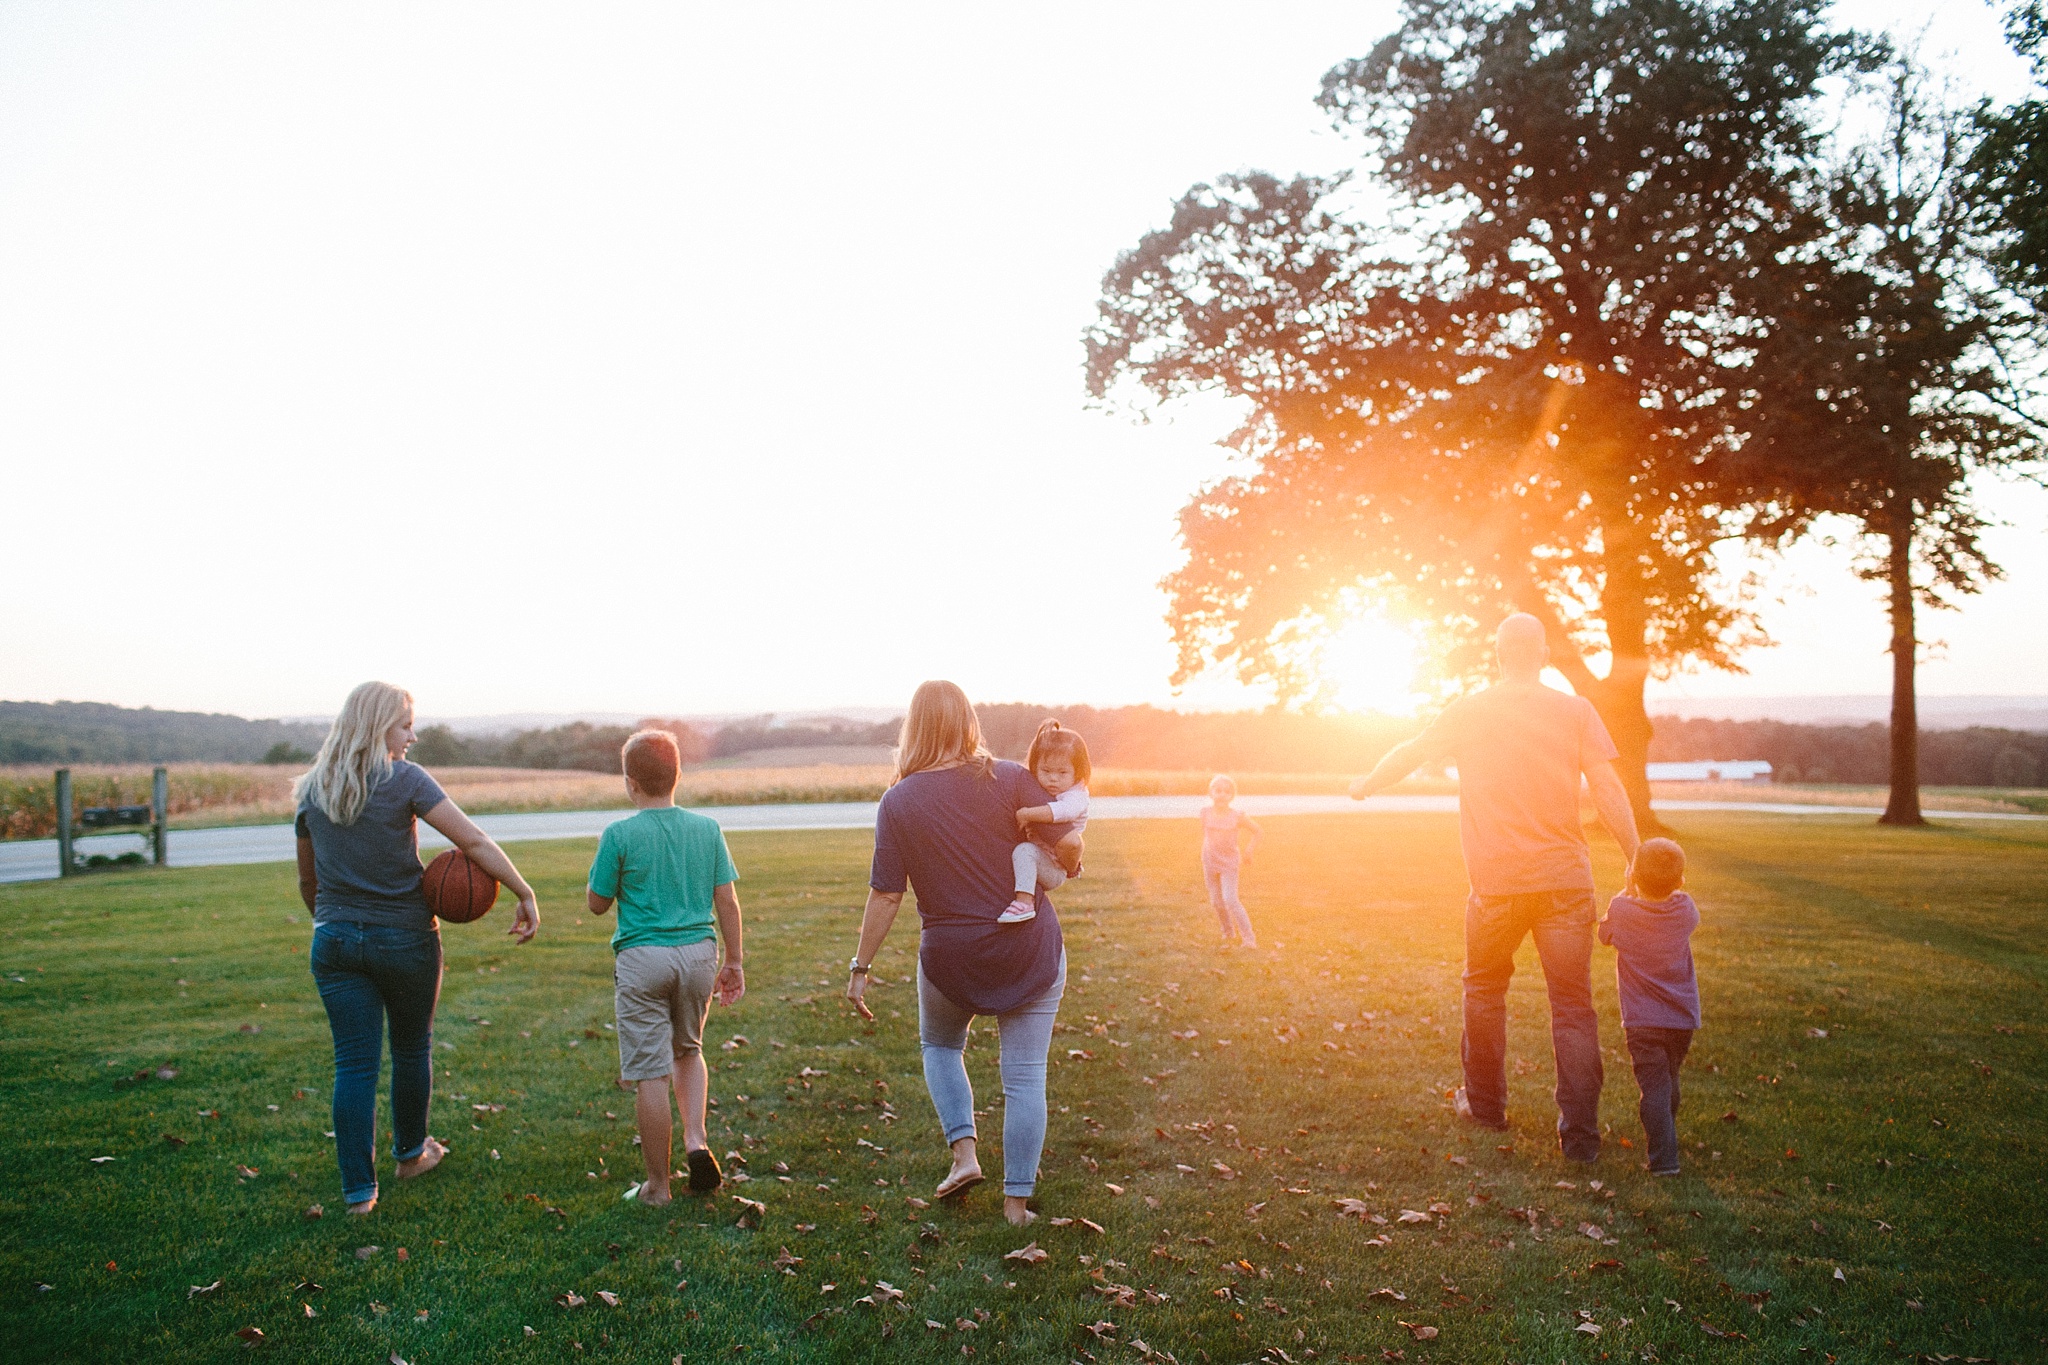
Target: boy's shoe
[
  {"x": 1672, "y": 1171},
  {"x": 1464, "y": 1107},
  {"x": 704, "y": 1173},
  {"x": 1017, "y": 914}
]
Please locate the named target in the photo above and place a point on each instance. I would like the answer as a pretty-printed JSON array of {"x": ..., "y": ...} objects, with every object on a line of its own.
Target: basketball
[{"x": 457, "y": 889}]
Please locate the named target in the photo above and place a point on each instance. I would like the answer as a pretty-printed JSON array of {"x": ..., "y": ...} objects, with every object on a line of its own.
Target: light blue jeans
[{"x": 1026, "y": 1037}]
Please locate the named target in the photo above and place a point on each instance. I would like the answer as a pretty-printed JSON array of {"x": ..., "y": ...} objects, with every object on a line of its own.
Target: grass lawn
[{"x": 1872, "y": 1194}]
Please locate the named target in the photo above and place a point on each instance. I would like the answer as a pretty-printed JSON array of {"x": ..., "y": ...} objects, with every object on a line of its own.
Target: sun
[{"x": 1369, "y": 664}]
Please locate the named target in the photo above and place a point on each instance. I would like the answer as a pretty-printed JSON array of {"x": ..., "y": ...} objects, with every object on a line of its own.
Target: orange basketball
[{"x": 457, "y": 889}]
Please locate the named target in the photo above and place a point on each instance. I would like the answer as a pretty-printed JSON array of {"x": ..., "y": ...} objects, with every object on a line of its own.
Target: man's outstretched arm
[
  {"x": 1610, "y": 799},
  {"x": 1400, "y": 761}
]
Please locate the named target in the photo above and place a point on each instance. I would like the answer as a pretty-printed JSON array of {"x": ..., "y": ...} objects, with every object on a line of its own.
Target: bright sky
[{"x": 657, "y": 358}]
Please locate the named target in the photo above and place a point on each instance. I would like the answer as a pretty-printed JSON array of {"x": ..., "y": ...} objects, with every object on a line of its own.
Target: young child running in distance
[
  {"x": 1650, "y": 926},
  {"x": 1221, "y": 860},
  {"x": 1059, "y": 760},
  {"x": 672, "y": 877}
]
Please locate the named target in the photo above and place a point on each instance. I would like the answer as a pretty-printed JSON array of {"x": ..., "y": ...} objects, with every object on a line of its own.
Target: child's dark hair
[
  {"x": 1054, "y": 740},
  {"x": 1659, "y": 868}
]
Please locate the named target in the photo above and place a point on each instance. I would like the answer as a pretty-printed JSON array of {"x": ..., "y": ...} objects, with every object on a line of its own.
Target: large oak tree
[{"x": 1531, "y": 377}]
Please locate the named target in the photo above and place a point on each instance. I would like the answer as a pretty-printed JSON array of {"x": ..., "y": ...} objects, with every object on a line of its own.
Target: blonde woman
[
  {"x": 947, "y": 826},
  {"x": 376, "y": 945}
]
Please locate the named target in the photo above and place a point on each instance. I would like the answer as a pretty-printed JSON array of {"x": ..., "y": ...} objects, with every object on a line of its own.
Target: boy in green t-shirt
[{"x": 672, "y": 876}]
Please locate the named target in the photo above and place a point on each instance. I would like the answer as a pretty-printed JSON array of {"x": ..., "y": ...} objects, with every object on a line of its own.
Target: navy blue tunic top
[{"x": 948, "y": 834}]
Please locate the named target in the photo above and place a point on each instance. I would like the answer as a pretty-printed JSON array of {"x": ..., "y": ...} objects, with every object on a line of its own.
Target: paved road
[{"x": 36, "y": 859}]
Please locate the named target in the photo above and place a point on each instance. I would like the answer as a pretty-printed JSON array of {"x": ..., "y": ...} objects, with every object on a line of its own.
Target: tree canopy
[{"x": 1531, "y": 380}]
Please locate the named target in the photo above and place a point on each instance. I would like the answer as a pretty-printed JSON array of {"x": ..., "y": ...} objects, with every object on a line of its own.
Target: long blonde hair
[
  {"x": 939, "y": 729},
  {"x": 353, "y": 758}
]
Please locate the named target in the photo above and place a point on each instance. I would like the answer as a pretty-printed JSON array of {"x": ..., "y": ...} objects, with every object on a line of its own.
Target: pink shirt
[
  {"x": 1219, "y": 839},
  {"x": 1520, "y": 750}
]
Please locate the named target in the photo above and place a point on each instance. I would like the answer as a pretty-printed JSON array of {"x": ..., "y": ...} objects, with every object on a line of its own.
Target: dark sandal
[{"x": 704, "y": 1173}]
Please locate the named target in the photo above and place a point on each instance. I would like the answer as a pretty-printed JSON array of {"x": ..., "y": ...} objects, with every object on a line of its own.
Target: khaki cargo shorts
[{"x": 662, "y": 996}]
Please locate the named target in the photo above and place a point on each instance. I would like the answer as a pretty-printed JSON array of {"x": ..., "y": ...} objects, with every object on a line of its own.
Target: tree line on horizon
[
  {"x": 1130, "y": 737},
  {"x": 1637, "y": 282}
]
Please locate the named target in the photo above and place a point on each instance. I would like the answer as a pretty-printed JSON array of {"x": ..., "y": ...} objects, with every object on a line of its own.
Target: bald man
[{"x": 1521, "y": 749}]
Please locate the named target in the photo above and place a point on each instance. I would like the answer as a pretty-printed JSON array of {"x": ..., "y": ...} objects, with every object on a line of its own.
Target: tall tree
[
  {"x": 1909, "y": 355},
  {"x": 2010, "y": 164},
  {"x": 1528, "y": 380}
]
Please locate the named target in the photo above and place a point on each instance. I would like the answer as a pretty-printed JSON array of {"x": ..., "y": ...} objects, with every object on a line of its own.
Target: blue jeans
[
  {"x": 1656, "y": 1054},
  {"x": 366, "y": 971},
  {"x": 1562, "y": 923},
  {"x": 1026, "y": 1034}
]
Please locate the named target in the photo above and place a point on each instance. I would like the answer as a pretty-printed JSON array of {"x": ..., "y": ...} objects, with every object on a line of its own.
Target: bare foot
[
  {"x": 1017, "y": 1211},
  {"x": 653, "y": 1195},
  {"x": 367, "y": 1206},
  {"x": 429, "y": 1157}
]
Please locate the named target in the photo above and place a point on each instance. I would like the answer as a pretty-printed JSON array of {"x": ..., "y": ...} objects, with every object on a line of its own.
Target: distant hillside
[{"x": 94, "y": 732}]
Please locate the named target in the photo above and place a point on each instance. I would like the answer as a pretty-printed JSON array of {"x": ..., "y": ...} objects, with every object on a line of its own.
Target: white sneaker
[{"x": 1017, "y": 914}]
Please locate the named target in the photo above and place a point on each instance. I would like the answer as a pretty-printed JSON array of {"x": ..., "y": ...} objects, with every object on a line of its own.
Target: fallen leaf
[
  {"x": 404, "y": 1255},
  {"x": 752, "y": 1211},
  {"x": 314, "y": 1211},
  {"x": 1446, "y": 1208},
  {"x": 174, "y": 1140},
  {"x": 97, "y": 1160},
  {"x": 1101, "y": 1331},
  {"x": 397, "y": 1359},
  {"x": 365, "y": 1253},
  {"x": 783, "y": 1260},
  {"x": 1420, "y": 1331},
  {"x": 1840, "y": 1276},
  {"x": 611, "y": 1300},
  {"x": 1390, "y": 1295},
  {"x": 570, "y": 1299},
  {"x": 916, "y": 1203},
  {"x": 1031, "y": 1253},
  {"x": 886, "y": 1291},
  {"x": 1591, "y": 1329},
  {"x": 252, "y": 1335},
  {"x": 1091, "y": 1225},
  {"x": 196, "y": 1290},
  {"x": 309, "y": 1310},
  {"x": 1112, "y": 1188},
  {"x": 1413, "y": 1216}
]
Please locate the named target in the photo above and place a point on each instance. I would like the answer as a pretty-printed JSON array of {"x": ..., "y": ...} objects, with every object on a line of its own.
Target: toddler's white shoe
[{"x": 1017, "y": 914}]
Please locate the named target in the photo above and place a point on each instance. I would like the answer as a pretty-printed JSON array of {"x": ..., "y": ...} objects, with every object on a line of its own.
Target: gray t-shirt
[{"x": 369, "y": 872}]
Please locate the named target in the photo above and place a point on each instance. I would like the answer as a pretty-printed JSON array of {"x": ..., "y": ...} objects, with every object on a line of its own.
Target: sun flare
[{"x": 1369, "y": 664}]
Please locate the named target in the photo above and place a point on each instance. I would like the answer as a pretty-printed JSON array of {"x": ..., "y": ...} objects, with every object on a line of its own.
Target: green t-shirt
[{"x": 662, "y": 866}]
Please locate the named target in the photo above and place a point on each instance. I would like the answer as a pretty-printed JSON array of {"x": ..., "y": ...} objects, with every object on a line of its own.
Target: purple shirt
[
  {"x": 1653, "y": 960},
  {"x": 948, "y": 834}
]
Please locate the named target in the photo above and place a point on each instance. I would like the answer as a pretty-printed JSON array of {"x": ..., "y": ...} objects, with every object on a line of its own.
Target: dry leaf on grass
[
  {"x": 784, "y": 1261},
  {"x": 246, "y": 1172},
  {"x": 1390, "y": 1295},
  {"x": 1413, "y": 1216},
  {"x": 196, "y": 1290},
  {"x": 1420, "y": 1331},
  {"x": 570, "y": 1299},
  {"x": 365, "y": 1253},
  {"x": 611, "y": 1300},
  {"x": 1591, "y": 1329},
  {"x": 752, "y": 1211},
  {"x": 1031, "y": 1253},
  {"x": 314, "y": 1211},
  {"x": 252, "y": 1335}
]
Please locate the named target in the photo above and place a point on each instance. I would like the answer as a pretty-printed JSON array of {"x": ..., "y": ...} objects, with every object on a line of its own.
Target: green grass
[{"x": 1916, "y": 1125}]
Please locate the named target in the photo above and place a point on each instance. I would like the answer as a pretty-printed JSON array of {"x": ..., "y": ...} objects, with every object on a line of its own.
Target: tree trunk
[{"x": 1903, "y": 806}]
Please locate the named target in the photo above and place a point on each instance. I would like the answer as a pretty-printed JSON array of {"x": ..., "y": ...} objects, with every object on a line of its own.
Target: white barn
[{"x": 1712, "y": 770}]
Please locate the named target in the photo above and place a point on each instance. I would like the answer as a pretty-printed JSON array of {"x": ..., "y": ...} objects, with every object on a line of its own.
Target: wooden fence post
[
  {"x": 64, "y": 868},
  {"x": 160, "y": 802}
]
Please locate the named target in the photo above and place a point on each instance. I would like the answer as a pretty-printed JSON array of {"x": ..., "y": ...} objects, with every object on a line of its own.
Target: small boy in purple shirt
[{"x": 1650, "y": 926}]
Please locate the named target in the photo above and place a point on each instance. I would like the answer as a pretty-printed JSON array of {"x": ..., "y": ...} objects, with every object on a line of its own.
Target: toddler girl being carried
[{"x": 1059, "y": 760}]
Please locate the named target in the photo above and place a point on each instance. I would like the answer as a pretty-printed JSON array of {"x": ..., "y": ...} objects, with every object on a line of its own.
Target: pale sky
[{"x": 665, "y": 358}]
